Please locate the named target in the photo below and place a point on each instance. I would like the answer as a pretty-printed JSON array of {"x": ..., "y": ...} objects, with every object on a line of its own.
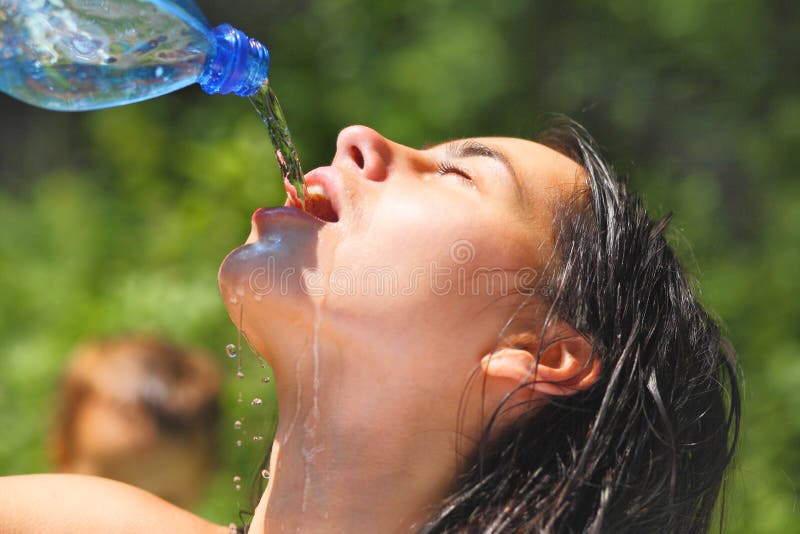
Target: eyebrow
[{"x": 470, "y": 149}]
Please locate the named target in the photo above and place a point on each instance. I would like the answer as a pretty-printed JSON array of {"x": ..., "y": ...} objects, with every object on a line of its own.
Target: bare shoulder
[{"x": 78, "y": 503}]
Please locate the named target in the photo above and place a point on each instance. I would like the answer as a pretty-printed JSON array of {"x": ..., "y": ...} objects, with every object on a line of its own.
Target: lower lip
[
  {"x": 265, "y": 220},
  {"x": 263, "y": 216}
]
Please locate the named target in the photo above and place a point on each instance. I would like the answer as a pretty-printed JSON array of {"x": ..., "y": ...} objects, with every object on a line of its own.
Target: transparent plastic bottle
[{"x": 76, "y": 55}]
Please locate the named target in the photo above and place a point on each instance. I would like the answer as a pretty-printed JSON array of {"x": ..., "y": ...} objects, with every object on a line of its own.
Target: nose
[{"x": 365, "y": 150}]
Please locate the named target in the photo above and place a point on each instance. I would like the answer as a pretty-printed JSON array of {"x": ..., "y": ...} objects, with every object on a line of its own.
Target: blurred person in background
[{"x": 140, "y": 410}]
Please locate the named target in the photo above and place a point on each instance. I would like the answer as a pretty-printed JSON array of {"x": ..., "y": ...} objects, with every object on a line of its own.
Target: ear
[{"x": 566, "y": 366}]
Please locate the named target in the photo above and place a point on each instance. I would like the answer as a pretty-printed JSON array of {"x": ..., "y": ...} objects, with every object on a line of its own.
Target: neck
[{"x": 342, "y": 465}]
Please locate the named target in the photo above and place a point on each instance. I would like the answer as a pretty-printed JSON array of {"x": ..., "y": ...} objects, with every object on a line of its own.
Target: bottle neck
[{"x": 237, "y": 64}]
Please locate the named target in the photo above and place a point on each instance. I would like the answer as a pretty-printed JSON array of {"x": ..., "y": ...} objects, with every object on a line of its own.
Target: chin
[
  {"x": 261, "y": 282},
  {"x": 282, "y": 242},
  {"x": 261, "y": 287}
]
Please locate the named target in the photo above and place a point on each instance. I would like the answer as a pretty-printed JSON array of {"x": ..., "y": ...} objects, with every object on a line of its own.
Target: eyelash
[{"x": 446, "y": 167}]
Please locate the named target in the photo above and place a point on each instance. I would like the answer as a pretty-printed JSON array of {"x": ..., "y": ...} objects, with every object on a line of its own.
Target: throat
[
  {"x": 319, "y": 490},
  {"x": 333, "y": 473},
  {"x": 348, "y": 454}
]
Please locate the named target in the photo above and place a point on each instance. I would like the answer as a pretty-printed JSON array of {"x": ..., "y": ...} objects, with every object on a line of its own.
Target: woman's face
[{"x": 424, "y": 251}]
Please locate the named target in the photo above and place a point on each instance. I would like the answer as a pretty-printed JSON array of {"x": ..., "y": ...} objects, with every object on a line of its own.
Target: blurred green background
[{"x": 116, "y": 221}]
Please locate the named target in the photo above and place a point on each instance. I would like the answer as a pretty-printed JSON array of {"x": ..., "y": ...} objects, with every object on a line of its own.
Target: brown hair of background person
[{"x": 140, "y": 410}]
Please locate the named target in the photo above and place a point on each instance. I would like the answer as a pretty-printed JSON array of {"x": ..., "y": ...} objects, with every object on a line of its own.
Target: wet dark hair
[{"x": 645, "y": 448}]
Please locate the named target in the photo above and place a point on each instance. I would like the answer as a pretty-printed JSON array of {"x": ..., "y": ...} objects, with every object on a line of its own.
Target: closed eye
[{"x": 446, "y": 167}]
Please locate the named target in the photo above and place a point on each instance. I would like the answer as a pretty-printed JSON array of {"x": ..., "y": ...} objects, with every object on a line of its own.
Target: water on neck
[{"x": 269, "y": 110}]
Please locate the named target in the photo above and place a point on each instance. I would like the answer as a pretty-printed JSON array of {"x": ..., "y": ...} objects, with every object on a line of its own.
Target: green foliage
[{"x": 116, "y": 221}]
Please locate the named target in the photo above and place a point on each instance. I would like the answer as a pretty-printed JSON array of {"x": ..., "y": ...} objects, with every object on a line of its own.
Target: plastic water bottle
[{"x": 76, "y": 55}]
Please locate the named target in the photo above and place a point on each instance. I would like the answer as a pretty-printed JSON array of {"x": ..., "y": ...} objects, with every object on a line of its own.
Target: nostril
[
  {"x": 357, "y": 156},
  {"x": 364, "y": 151}
]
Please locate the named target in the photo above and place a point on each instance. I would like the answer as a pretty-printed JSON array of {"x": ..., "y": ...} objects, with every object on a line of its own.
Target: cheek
[
  {"x": 424, "y": 260},
  {"x": 416, "y": 228},
  {"x": 102, "y": 431},
  {"x": 433, "y": 266},
  {"x": 407, "y": 243}
]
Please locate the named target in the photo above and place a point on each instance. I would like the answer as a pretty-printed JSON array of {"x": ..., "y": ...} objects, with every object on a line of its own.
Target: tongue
[{"x": 320, "y": 207}]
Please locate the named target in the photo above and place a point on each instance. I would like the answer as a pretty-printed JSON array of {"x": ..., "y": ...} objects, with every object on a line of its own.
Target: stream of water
[{"x": 269, "y": 110}]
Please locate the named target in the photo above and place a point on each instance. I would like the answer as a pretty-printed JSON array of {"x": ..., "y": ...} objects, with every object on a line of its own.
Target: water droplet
[
  {"x": 239, "y": 399},
  {"x": 159, "y": 72},
  {"x": 237, "y": 424},
  {"x": 258, "y": 438},
  {"x": 230, "y": 350},
  {"x": 238, "y": 443},
  {"x": 233, "y": 529},
  {"x": 237, "y": 487},
  {"x": 256, "y": 402},
  {"x": 266, "y": 380},
  {"x": 237, "y": 479},
  {"x": 265, "y": 473},
  {"x": 239, "y": 374}
]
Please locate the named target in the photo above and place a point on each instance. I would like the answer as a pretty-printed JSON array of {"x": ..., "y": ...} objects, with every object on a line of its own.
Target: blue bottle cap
[{"x": 237, "y": 64}]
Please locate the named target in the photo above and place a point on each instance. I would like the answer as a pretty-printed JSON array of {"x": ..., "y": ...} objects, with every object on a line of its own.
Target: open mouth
[{"x": 317, "y": 202}]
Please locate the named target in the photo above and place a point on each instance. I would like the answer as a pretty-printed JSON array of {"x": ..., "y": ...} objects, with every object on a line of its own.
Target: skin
[
  {"x": 80, "y": 503},
  {"x": 370, "y": 377},
  {"x": 124, "y": 443},
  {"x": 381, "y": 387}
]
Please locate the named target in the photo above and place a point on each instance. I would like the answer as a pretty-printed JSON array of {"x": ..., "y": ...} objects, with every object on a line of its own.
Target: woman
[{"x": 486, "y": 335}]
